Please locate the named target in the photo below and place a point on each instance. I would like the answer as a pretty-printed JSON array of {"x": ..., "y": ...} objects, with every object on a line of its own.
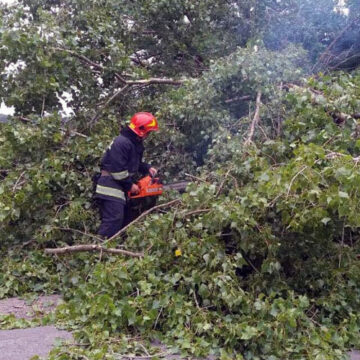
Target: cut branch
[
  {"x": 255, "y": 120},
  {"x": 91, "y": 247}
]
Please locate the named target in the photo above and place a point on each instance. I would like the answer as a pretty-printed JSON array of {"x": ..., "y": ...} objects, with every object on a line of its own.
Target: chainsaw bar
[{"x": 178, "y": 186}]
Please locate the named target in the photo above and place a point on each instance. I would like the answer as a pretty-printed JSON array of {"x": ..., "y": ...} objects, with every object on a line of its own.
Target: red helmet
[{"x": 142, "y": 123}]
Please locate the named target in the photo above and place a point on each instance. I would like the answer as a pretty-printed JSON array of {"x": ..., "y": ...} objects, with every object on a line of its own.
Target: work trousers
[{"x": 113, "y": 216}]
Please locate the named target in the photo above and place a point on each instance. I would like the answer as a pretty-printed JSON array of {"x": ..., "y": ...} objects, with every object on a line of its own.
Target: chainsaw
[{"x": 152, "y": 186}]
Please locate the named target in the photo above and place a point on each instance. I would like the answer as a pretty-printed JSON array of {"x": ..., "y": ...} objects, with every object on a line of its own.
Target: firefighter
[{"x": 122, "y": 159}]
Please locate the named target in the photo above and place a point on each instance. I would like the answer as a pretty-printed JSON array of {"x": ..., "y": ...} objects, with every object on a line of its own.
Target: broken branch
[
  {"x": 255, "y": 120},
  {"x": 238, "y": 98},
  {"x": 196, "y": 212},
  {"x": 153, "y": 81},
  {"x": 333, "y": 155},
  {"x": 91, "y": 247}
]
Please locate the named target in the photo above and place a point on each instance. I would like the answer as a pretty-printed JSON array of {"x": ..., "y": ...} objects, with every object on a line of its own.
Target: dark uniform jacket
[{"x": 122, "y": 160}]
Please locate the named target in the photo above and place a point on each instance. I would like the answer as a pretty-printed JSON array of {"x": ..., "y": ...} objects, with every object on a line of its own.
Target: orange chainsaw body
[{"x": 148, "y": 186}]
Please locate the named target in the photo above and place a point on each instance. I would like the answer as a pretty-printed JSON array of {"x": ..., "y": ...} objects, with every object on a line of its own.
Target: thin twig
[
  {"x": 235, "y": 181},
  {"x": 195, "y": 177},
  {"x": 114, "y": 96},
  {"x": 153, "y": 81},
  {"x": 22, "y": 118},
  {"x": 120, "y": 78},
  {"x": 293, "y": 179},
  {"x": 79, "y": 232},
  {"x": 27, "y": 243},
  {"x": 342, "y": 244},
  {"x": 255, "y": 120},
  {"x": 238, "y": 98},
  {"x": 333, "y": 155},
  {"x": 136, "y": 357},
  {"x": 17, "y": 181},
  {"x": 145, "y": 350},
  {"x": 79, "y": 134},
  {"x": 158, "y": 317},
  {"x": 249, "y": 262},
  {"x": 196, "y": 212},
  {"x": 196, "y": 301},
  {"x": 81, "y": 57},
  {"x": 223, "y": 182},
  {"x": 43, "y": 107}
]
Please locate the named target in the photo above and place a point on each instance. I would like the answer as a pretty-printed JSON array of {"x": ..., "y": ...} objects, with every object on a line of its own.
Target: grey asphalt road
[
  {"x": 355, "y": 355},
  {"x": 23, "y": 344}
]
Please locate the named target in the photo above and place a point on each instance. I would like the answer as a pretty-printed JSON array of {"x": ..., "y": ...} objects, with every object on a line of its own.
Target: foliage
[
  {"x": 33, "y": 272},
  {"x": 8, "y": 322}
]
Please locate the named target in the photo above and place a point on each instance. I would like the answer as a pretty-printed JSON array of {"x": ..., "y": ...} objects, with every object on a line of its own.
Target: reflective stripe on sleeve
[
  {"x": 104, "y": 190},
  {"x": 120, "y": 175}
]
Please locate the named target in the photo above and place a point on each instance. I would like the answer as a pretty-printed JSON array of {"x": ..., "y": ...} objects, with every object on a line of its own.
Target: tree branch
[
  {"x": 255, "y": 120},
  {"x": 196, "y": 212},
  {"x": 153, "y": 81},
  {"x": 142, "y": 216},
  {"x": 150, "y": 81},
  {"x": 91, "y": 247},
  {"x": 81, "y": 57},
  {"x": 17, "y": 181},
  {"x": 238, "y": 98},
  {"x": 114, "y": 96},
  {"x": 120, "y": 77},
  {"x": 337, "y": 38},
  {"x": 333, "y": 155},
  {"x": 196, "y": 178},
  {"x": 79, "y": 232},
  {"x": 223, "y": 182}
]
